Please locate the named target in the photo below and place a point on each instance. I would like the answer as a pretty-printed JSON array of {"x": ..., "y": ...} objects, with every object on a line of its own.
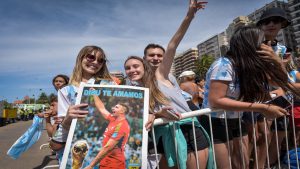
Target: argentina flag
[{"x": 30, "y": 137}]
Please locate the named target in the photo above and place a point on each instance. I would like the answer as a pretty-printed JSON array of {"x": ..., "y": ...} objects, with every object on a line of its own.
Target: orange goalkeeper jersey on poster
[{"x": 119, "y": 131}]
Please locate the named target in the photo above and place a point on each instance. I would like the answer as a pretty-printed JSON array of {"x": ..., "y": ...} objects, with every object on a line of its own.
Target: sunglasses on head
[
  {"x": 153, "y": 54},
  {"x": 275, "y": 20},
  {"x": 92, "y": 58}
]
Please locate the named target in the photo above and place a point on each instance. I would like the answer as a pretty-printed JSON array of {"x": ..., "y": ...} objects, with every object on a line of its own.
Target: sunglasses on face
[
  {"x": 92, "y": 58},
  {"x": 275, "y": 20},
  {"x": 153, "y": 54}
]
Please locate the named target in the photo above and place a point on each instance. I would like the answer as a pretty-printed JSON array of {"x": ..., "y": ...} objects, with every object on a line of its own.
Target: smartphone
[
  {"x": 85, "y": 108},
  {"x": 280, "y": 101}
]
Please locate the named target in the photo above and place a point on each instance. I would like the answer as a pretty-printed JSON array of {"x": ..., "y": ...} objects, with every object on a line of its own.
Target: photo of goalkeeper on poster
[{"x": 111, "y": 136}]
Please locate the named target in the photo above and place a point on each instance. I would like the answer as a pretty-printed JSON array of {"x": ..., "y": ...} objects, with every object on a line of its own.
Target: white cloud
[{"x": 42, "y": 38}]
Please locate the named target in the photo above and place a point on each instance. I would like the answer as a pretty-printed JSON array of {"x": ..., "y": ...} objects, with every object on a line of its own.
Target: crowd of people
[{"x": 255, "y": 69}]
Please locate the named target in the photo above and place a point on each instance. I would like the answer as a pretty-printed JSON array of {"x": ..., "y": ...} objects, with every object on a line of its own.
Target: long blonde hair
[
  {"x": 76, "y": 76},
  {"x": 149, "y": 81}
]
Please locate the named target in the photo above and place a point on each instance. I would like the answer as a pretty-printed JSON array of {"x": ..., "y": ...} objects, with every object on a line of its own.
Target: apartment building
[
  {"x": 294, "y": 8},
  {"x": 215, "y": 46},
  {"x": 185, "y": 61}
]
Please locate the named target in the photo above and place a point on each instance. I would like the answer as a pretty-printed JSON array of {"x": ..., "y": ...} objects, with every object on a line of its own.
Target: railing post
[{"x": 195, "y": 143}]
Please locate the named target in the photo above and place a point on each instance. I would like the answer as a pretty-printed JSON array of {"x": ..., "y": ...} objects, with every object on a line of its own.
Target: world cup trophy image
[{"x": 79, "y": 151}]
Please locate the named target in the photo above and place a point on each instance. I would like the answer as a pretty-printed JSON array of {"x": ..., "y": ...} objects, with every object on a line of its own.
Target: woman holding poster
[{"x": 90, "y": 68}]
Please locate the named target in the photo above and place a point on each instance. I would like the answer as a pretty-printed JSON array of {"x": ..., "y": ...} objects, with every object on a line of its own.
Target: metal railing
[{"x": 267, "y": 139}]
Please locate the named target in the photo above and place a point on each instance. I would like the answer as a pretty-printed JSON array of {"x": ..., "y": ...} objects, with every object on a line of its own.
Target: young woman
[
  {"x": 90, "y": 68},
  {"x": 239, "y": 82},
  {"x": 59, "y": 81},
  {"x": 171, "y": 94},
  {"x": 139, "y": 71}
]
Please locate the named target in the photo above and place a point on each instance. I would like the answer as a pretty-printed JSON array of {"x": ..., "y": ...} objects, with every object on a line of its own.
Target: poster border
[{"x": 74, "y": 122}]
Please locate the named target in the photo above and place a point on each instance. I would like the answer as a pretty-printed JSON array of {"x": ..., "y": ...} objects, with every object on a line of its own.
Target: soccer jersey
[
  {"x": 118, "y": 131},
  {"x": 279, "y": 49},
  {"x": 222, "y": 70}
]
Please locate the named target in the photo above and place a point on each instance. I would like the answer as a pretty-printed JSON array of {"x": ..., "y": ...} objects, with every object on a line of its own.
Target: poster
[{"x": 88, "y": 136}]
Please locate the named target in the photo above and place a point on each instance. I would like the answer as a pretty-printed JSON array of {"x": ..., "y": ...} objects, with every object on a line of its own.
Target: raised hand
[{"x": 195, "y": 6}]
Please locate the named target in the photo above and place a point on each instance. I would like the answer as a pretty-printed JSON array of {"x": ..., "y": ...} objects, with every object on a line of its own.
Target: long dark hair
[{"x": 254, "y": 73}]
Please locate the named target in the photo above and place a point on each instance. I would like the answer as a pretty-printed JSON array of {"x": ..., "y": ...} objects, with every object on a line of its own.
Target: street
[{"x": 34, "y": 158}]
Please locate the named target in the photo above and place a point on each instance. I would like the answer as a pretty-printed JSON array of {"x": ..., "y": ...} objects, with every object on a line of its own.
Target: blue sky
[{"x": 41, "y": 38}]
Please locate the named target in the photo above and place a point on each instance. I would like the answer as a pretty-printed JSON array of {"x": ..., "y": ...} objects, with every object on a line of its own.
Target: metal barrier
[{"x": 245, "y": 164}]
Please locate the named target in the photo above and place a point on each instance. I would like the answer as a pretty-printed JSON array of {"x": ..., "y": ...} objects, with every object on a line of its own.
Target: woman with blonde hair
[{"x": 90, "y": 68}]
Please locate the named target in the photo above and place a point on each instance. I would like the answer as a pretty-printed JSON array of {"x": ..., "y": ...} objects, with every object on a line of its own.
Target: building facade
[
  {"x": 237, "y": 22},
  {"x": 294, "y": 8},
  {"x": 185, "y": 61},
  {"x": 215, "y": 46}
]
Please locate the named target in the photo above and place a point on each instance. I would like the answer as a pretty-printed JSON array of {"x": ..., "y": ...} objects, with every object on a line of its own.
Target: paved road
[{"x": 34, "y": 158}]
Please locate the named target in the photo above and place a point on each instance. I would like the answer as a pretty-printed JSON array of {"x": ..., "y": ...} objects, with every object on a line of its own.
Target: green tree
[
  {"x": 51, "y": 96},
  {"x": 43, "y": 98},
  {"x": 6, "y": 104},
  {"x": 203, "y": 65},
  {"x": 29, "y": 101}
]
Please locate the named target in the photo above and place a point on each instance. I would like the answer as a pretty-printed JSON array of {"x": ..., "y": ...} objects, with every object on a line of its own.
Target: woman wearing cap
[{"x": 271, "y": 22}]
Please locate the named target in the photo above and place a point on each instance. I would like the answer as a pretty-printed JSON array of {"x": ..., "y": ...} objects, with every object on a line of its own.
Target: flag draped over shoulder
[{"x": 30, "y": 137}]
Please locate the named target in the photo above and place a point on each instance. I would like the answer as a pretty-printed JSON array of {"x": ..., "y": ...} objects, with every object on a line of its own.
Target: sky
[{"x": 41, "y": 38}]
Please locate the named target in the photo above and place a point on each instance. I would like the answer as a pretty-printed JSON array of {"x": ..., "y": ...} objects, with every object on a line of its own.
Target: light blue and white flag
[{"x": 30, "y": 137}]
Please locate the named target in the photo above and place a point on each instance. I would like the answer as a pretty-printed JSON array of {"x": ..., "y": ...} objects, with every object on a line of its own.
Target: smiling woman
[{"x": 90, "y": 68}]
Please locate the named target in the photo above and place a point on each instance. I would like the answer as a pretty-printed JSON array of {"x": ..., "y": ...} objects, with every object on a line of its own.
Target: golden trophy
[{"x": 79, "y": 151}]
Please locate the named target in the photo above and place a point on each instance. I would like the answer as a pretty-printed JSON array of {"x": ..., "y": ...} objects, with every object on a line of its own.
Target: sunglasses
[
  {"x": 275, "y": 20},
  {"x": 92, "y": 58},
  {"x": 153, "y": 54}
]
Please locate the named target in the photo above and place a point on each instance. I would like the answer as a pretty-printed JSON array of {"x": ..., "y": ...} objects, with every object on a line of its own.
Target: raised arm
[
  {"x": 100, "y": 106},
  {"x": 165, "y": 67}
]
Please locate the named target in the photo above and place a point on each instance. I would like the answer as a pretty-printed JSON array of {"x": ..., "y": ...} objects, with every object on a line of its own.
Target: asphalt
[{"x": 33, "y": 158}]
